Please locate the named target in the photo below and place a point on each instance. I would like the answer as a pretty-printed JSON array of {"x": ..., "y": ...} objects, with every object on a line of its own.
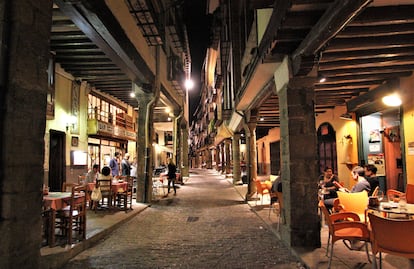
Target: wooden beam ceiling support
[
  {"x": 365, "y": 77},
  {"x": 369, "y": 70},
  {"x": 280, "y": 9},
  {"x": 376, "y": 30},
  {"x": 373, "y": 95},
  {"x": 367, "y": 43},
  {"x": 366, "y": 54},
  {"x": 386, "y": 15},
  {"x": 335, "y": 18},
  {"x": 358, "y": 63},
  {"x": 97, "y": 31}
]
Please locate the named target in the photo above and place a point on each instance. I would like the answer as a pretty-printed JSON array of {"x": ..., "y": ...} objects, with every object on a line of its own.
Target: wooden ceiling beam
[
  {"x": 386, "y": 15},
  {"x": 369, "y": 70},
  {"x": 380, "y": 42},
  {"x": 98, "y": 32},
  {"x": 376, "y": 30},
  {"x": 366, "y": 62},
  {"x": 364, "y": 77},
  {"x": 355, "y": 103},
  {"x": 349, "y": 84},
  {"x": 335, "y": 18},
  {"x": 366, "y": 54}
]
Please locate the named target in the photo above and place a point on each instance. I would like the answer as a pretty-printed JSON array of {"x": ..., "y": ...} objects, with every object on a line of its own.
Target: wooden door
[{"x": 57, "y": 160}]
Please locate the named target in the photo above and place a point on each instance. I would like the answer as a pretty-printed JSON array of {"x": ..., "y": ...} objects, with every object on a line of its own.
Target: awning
[{"x": 222, "y": 133}]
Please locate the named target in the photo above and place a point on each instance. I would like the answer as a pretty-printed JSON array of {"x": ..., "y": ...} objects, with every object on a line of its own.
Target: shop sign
[{"x": 106, "y": 128}]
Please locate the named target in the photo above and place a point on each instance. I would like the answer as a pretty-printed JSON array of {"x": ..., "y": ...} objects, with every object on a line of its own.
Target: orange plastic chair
[
  {"x": 356, "y": 202},
  {"x": 261, "y": 189},
  {"x": 409, "y": 193},
  {"x": 394, "y": 195},
  {"x": 344, "y": 226},
  {"x": 393, "y": 236}
]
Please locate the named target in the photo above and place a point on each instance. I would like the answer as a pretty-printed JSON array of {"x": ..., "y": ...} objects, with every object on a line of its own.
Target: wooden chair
[
  {"x": 375, "y": 192},
  {"x": 261, "y": 189},
  {"x": 391, "y": 236},
  {"x": 106, "y": 190},
  {"x": 73, "y": 218},
  {"x": 67, "y": 186},
  {"x": 409, "y": 193},
  {"x": 356, "y": 202},
  {"x": 81, "y": 179},
  {"x": 344, "y": 226},
  {"x": 124, "y": 197}
]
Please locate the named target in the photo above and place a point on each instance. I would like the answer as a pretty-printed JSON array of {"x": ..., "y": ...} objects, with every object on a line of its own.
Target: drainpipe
[{"x": 148, "y": 144}]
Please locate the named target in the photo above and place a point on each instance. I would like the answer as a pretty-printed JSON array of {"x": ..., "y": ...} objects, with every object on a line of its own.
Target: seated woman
[{"x": 328, "y": 187}]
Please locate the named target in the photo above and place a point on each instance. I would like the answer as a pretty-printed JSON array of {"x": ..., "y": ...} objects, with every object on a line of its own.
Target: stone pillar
[
  {"x": 227, "y": 156},
  {"x": 208, "y": 158},
  {"x": 251, "y": 150},
  {"x": 144, "y": 152},
  {"x": 185, "y": 161},
  {"x": 25, "y": 28},
  {"x": 217, "y": 156},
  {"x": 223, "y": 157},
  {"x": 299, "y": 169},
  {"x": 236, "y": 158}
]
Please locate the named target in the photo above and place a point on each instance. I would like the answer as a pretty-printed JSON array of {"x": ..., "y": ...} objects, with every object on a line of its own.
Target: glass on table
[
  {"x": 380, "y": 196},
  {"x": 403, "y": 202}
]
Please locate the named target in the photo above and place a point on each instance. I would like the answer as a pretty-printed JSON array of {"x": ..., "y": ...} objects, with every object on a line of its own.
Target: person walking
[
  {"x": 114, "y": 165},
  {"x": 171, "y": 176},
  {"x": 125, "y": 165}
]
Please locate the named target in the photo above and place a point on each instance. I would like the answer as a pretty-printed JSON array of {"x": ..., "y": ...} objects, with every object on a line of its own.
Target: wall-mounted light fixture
[
  {"x": 346, "y": 116},
  {"x": 70, "y": 122},
  {"x": 392, "y": 100},
  {"x": 132, "y": 94}
]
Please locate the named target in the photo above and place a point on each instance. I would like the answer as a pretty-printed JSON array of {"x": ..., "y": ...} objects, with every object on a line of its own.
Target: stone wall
[{"x": 25, "y": 32}]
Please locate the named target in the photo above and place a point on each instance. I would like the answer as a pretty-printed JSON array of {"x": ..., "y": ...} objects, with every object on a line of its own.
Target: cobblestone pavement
[{"x": 206, "y": 225}]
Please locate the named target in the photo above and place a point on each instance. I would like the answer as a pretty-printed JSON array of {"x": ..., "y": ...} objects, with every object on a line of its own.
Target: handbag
[{"x": 96, "y": 194}]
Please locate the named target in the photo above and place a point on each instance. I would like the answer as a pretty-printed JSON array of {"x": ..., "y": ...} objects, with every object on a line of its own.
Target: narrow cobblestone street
[{"x": 206, "y": 225}]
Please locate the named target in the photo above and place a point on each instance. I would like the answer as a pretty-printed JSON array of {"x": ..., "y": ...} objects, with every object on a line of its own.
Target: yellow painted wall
[
  {"x": 407, "y": 87},
  {"x": 347, "y": 151}
]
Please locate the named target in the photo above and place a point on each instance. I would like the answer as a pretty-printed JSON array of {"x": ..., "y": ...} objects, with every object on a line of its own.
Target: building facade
[
  {"x": 81, "y": 80},
  {"x": 298, "y": 86}
]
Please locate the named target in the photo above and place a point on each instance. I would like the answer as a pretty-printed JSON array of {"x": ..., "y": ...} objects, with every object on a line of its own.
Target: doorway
[
  {"x": 275, "y": 158},
  {"x": 327, "y": 156},
  {"x": 57, "y": 160}
]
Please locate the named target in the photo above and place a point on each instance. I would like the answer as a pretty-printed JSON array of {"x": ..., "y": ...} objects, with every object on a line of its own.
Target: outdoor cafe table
[
  {"x": 394, "y": 208},
  {"x": 54, "y": 201}
]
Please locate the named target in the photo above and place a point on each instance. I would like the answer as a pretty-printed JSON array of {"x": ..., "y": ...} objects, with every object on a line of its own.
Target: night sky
[{"x": 197, "y": 28}]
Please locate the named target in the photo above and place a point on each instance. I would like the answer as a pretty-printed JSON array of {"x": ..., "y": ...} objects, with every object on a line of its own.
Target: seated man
[{"x": 371, "y": 177}]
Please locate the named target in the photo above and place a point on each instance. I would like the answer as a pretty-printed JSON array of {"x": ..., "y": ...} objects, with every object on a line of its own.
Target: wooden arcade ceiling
[{"x": 374, "y": 45}]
